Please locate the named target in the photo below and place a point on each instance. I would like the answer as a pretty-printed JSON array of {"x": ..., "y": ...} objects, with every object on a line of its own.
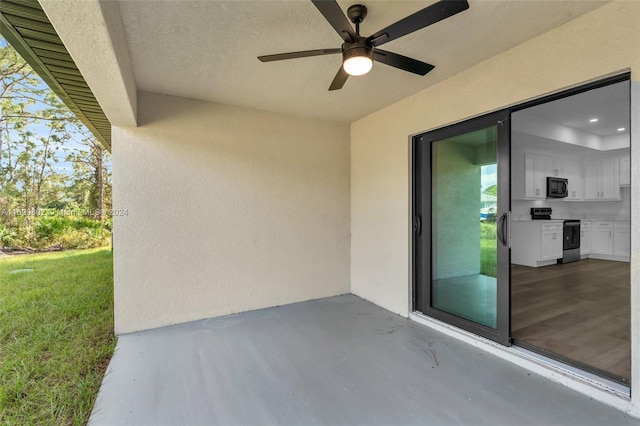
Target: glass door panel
[
  {"x": 464, "y": 197},
  {"x": 461, "y": 205}
]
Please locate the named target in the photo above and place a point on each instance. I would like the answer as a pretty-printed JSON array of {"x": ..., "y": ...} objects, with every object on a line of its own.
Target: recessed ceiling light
[
  {"x": 621, "y": 129},
  {"x": 593, "y": 120}
]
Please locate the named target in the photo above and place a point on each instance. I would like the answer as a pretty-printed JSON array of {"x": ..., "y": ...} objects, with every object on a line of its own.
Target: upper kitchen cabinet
[
  {"x": 601, "y": 179},
  {"x": 575, "y": 183},
  {"x": 555, "y": 166},
  {"x": 535, "y": 177},
  {"x": 625, "y": 169}
]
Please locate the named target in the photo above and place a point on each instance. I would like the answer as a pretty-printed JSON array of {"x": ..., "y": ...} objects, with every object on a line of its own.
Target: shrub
[
  {"x": 84, "y": 238},
  {"x": 68, "y": 231},
  {"x": 7, "y": 237}
]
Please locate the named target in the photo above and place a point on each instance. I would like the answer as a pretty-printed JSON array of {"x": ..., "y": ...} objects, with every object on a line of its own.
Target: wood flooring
[{"x": 578, "y": 310}]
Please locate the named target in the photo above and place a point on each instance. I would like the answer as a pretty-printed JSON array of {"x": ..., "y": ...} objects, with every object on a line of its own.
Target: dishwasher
[{"x": 570, "y": 241}]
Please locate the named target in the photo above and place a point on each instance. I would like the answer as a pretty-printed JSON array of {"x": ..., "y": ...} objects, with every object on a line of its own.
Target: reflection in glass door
[
  {"x": 461, "y": 181},
  {"x": 463, "y": 223}
]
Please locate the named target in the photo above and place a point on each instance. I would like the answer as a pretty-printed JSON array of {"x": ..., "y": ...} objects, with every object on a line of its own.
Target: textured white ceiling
[{"x": 207, "y": 49}]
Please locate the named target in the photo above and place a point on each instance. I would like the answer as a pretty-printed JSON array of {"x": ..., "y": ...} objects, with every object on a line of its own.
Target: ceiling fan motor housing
[{"x": 358, "y": 48}]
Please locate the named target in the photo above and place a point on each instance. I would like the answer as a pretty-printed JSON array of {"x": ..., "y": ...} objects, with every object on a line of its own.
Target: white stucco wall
[
  {"x": 228, "y": 210},
  {"x": 603, "y": 42}
]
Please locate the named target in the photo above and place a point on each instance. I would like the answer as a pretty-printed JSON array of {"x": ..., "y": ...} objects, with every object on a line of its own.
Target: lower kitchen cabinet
[
  {"x": 536, "y": 243},
  {"x": 622, "y": 239},
  {"x": 611, "y": 240},
  {"x": 551, "y": 242},
  {"x": 539, "y": 242},
  {"x": 585, "y": 237},
  {"x": 602, "y": 238}
]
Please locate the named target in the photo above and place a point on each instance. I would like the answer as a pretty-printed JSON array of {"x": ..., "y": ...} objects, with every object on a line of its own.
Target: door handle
[
  {"x": 417, "y": 225},
  {"x": 502, "y": 237}
]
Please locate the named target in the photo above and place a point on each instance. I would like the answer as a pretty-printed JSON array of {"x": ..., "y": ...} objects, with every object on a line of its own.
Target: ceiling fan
[{"x": 358, "y": 52}]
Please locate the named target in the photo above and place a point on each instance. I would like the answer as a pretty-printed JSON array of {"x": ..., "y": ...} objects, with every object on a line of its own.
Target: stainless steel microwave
[{"x": 557, "y": 187}]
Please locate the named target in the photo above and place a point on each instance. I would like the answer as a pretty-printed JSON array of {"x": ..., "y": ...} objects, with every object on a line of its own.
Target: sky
[{"x": 488, "y": 176}]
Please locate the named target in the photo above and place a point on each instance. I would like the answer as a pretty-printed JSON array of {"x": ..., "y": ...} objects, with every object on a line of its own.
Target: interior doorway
[{"x": 573, "y": 308}]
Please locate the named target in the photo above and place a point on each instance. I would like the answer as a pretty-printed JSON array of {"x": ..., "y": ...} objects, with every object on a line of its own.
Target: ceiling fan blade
[
  {"x": 403, "y": 62},
  {"x": 423, "y": 18},
  {"x": 339, "y": 80},
  {"x": 301, "y": 54},
  {"x": 332, "y": 13}
]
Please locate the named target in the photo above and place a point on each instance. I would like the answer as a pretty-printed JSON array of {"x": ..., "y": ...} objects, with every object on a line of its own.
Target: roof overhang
[
  {"x": 26, "y": 27},
  {"x": 83, "y": 58}
]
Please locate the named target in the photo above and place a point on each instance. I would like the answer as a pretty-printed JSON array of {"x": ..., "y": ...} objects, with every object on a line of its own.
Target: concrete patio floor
[{"x": 339, "y": 360}]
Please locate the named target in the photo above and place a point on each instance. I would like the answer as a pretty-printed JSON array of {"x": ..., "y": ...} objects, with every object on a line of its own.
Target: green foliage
[
  {"x": 492, "y": 190},
  {"x": 56, "y": 335},
  {"x": 488, "y": 231},
  {"x": 7, "y": 236},
  {"x": 72, "y": 232},
  {"x": 488, "y": 249},
  {"x": 85, "y": 238},
  {"x": 37, "y": 132}
]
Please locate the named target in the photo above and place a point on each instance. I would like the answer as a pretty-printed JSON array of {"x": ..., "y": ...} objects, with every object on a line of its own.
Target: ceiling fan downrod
[{"x": 356, "y": 14}]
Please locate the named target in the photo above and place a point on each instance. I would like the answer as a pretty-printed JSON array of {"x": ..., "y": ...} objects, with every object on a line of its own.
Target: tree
[
  {"x": 91, "y": 175},
  {"x": 491, "y": 190},
  {"x": 48, "y": 158},
  {"x": 34, "y": 127}
]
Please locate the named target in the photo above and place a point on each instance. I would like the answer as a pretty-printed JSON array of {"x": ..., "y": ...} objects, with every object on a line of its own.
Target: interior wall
[
  {"x": 228, "y": 210},
  {"x": 600, "y": 43}
]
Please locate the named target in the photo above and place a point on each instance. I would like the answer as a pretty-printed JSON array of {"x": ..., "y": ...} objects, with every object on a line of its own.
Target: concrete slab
[{"x": 338, "y": 360}]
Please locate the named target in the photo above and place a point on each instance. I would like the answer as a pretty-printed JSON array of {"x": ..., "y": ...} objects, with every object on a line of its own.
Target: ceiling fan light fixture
[
  {"x": 358, "y": 65},
  {"x": 357, "y": 60}
]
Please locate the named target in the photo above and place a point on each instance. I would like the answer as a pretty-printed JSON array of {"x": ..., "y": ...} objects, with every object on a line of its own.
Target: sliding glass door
[{"x": 461, "y": 238}]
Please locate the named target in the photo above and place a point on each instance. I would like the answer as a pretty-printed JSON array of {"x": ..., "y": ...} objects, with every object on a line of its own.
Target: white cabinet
[
  {"x": 573, "y": 172},
  {"x": 625, "y": 170},
  {"x": 592, "y": 172},
  {"x": 555, "y": 167},
  {"x": 601, "y": 180},
  {"x": 551, "y": 242},
  {"x": 610, "y": 179},
  {"x": 611, "y": 240},
  {"x": 622, "y": 239},
  {"x": 536, "y": 242},
  {"x": 585, "y": 237},
  {"x": 535, "y": 178},
  {"x": 602, "y": 238}
]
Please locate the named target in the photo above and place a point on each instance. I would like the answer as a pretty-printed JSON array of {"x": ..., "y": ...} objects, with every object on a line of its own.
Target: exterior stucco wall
[
  {"x": 456, "y": 203},
  {"x": 603, "y": 42},
  {"x": 228, "y": 210}
]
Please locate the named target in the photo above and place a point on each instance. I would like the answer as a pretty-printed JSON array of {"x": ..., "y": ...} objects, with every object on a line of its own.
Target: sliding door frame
[
  {"x": 422, "y": 235},
  {"x": 421, "y": 210}
]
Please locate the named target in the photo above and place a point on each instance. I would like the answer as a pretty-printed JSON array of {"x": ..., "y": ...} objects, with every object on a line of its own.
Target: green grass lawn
[
  {"x": 488, "y": 248},
  {"x": 56, "y": 335}
]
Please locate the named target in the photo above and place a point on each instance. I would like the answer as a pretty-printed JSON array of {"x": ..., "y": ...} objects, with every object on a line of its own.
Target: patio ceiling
[
  {"x": 29, "y": 31},
  {"x": 208, "y": 50}
]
